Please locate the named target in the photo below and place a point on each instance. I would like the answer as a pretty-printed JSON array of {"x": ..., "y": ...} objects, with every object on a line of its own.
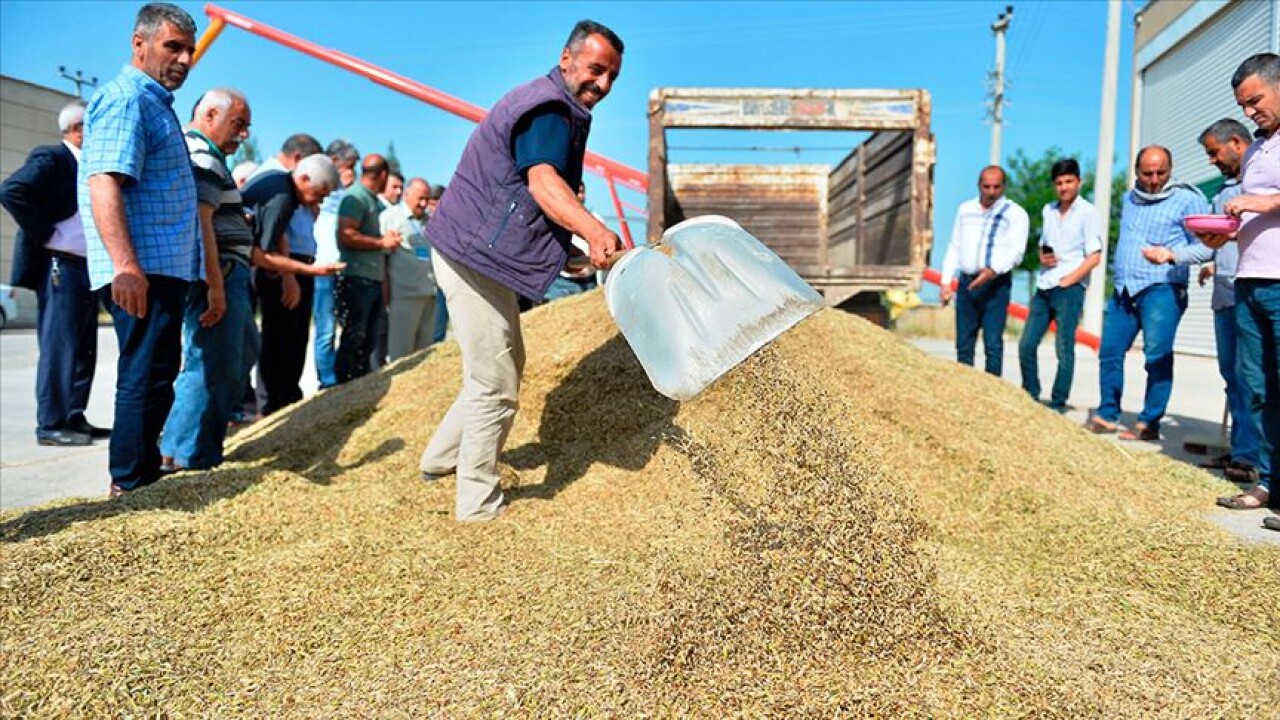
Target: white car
[{"x": 8, "y": 305}]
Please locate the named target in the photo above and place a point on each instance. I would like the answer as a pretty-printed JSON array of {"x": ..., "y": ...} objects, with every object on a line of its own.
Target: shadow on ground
[
  {"x": 306, "y": 439},
  {"x": 604, "y": 411}
]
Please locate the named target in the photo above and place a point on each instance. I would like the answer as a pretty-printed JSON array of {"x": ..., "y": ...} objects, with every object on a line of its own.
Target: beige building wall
[{"x": 28, "y": 117}]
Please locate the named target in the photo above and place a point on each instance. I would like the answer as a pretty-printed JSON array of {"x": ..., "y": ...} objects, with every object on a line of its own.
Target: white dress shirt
[
  {"x": 68, "y": 235},
  {"x": 994, "y": 237},
  {"x": 1073, "y": 238}
]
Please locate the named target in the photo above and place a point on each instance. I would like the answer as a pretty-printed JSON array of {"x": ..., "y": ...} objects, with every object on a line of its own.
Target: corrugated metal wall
[{"x": 1183, "y": 92}]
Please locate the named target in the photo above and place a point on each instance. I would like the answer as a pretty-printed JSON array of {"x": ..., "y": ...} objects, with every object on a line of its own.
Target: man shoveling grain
[{"x": 503, "y": 230}]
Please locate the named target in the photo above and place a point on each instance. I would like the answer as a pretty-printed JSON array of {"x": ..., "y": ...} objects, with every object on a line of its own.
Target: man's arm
[
  {"x": 950, "y": 261},
  {"x": 129, "y": 284},
  {"x": 21, "y": 194},
  {"x": 274, "y": 218},
  {"x": 216, "y": 294},
  {"x": 289, "y": 267},
  {"x": 561, "y": 206},
  {"x": 1261, "y": 204},
  {"x": 1080, "y": 273}
]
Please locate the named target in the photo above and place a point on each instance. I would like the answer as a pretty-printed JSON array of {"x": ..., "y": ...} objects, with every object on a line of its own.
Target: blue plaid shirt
[
  {"x": 130, "y": 129},
  {"x": 1158, "y": 224}
]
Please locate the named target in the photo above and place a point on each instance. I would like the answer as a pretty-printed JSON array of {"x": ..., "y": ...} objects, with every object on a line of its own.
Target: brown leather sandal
[
  {"x": 1098, "y": 426},
  {"x": 1140, "y": 432},
  {"x": 1251, "y": 499}
]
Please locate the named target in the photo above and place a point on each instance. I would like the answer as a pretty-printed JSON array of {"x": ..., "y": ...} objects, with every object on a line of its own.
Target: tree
[
  {"x": 1030, "y": 184},
  {"x": 247, "y": 152},
  {"x": 393, "y": 162}
]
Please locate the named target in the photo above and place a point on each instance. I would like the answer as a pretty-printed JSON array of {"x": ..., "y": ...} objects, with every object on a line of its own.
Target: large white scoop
[{"x": 702, "y": 301}]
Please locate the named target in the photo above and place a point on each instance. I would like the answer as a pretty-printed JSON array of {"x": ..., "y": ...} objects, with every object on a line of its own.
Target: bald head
[
  {"x": 373, "y": 172},
  {"x": 1153, "y": 167},
  {"x": 990, "y": 185}
]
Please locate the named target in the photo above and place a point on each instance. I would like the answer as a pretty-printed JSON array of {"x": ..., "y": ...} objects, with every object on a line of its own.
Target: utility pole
[
  {"x": 1096, "y": 294},
  {"x": 79, "y": 79},
  {"x": 997, "y": 91}
]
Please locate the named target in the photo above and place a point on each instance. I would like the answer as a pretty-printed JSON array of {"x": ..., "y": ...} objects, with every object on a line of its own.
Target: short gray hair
[
  {"x": 1225, "y": 129},
  {"x": 343, "y": 152},
  {"x": 153, "y": 16},
  {"x": 219, "y": 98},
  {"x": 319, "y": 169},
  {"x": 1265, "y": 65},
  {"x": 70, "y": 114}
]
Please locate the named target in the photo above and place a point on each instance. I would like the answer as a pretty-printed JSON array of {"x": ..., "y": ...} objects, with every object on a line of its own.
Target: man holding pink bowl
[{"x": 1257, "y": 89}]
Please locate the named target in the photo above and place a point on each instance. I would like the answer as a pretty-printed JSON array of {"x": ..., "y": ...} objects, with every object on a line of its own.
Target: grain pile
[{"x": 842, "y": 525}]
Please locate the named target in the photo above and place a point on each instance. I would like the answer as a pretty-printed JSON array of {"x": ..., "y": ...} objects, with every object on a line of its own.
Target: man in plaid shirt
[
  {"x": 1147, "y": 298},
  {"x": 141, "y": 233}
]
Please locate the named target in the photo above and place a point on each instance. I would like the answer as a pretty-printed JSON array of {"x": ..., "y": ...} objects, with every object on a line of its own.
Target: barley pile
[{"x": 840, "y": 526}]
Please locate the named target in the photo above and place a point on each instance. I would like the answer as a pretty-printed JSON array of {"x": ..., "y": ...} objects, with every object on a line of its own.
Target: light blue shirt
[
  {"x": 1073, "y": 238},
  {"x": 1156, "y": 224},
  {"x": 130, "y": 129}
]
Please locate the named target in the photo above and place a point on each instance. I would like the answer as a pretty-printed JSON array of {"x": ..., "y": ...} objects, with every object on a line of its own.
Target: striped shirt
[
  {"x": 994, "y": 237},
  {"x": 216, "y": 188},
  {"x": 1224, "y": 259},
  {"x": 130, "y": 129},
  {"x": 1073, "y": 238},
  {"x": 1156, "y": 224}
]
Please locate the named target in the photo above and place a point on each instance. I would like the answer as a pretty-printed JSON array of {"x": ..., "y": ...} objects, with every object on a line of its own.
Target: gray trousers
[
  {"x": 486, "y": 323},
  {"x": 410, "y": 324}
]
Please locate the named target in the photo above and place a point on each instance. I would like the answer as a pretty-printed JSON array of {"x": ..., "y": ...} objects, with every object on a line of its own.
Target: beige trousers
[
  {"x": 410, "y": 323},
  {"x": 486, "y": 323}
]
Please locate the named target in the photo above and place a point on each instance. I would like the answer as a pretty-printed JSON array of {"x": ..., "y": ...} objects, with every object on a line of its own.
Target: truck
[{"x": 852, "y": 230}]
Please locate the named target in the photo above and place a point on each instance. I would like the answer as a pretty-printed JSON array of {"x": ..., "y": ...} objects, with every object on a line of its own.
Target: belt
[
  {"x": 63, "y": 255},
  {"x": 308, "y": 259}
]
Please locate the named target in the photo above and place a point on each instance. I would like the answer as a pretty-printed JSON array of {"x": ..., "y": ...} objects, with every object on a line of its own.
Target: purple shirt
[{"x": 1259, "y": 237}]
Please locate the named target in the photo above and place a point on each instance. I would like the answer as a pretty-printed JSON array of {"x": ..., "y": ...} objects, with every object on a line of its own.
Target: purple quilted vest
[{"x": 487, "y": 220}]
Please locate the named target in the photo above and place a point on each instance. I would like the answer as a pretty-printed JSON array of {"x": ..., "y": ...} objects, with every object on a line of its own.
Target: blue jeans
[
  {"x": 207, "y": 392},
  {"x": 1156, "y": 312},
  {"x": 1258, "y": 367},
  {"x": 563, "y": 287},
  {"x": 1056, "y": 304},
  {"x": 67, "y": 334},
  {"x": 442, "y": 318},
  {"x": 326, "y": 332},
  {"x": 1244, "y": 435},
  {"x": 150, "y": 352},
  {"x": 986, "y": 308},
  {"x": 357, "y": 303}
]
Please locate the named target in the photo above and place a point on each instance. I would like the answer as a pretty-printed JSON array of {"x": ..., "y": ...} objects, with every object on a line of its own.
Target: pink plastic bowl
[{"x": 1214, "y": 224}]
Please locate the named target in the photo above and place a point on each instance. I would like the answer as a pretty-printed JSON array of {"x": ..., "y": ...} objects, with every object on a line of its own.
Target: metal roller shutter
[{"x": 1183, "y": 92}]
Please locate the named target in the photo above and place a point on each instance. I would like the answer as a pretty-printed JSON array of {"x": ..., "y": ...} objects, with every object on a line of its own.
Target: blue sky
[{"x": 477, "y": 51}]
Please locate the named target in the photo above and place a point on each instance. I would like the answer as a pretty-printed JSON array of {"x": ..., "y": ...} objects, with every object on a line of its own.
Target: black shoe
[
  {"x": 83, "y": 427},
  {"x": 64, "y": 438}
]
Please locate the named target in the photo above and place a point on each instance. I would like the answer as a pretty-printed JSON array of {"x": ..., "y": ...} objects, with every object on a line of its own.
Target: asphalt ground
[{"x": 31, "y": 474}]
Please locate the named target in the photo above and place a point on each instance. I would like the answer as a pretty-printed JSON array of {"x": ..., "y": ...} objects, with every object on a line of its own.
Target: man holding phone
[{"x": 1070, "y": 248}]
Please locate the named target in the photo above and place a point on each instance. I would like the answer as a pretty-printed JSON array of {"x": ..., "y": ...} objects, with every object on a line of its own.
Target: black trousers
[
  {"x": 285, "y": 336},
  {"x": 67, "y": 333}
]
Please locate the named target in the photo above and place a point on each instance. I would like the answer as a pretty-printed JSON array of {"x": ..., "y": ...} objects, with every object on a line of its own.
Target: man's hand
[
  {"x": 985, "y": 275},
  {"x": 330, "y": 269},
  {"x": 1206, "y": 271},
  {"x": 290, "y": 293},
  {"x": 1242, "y": 204},
  {"x": 1215, "y": 241},
  {"x": 391, "y": 240},
  {"x": 604, "y": 249},
  {"x": 1048, "y": 259},
  {"x": 1158, "y": 255},
  {"x": 217, "y": 309},
  {"x": 129, "y": 291},
  {"x": 945, "y": 294}
]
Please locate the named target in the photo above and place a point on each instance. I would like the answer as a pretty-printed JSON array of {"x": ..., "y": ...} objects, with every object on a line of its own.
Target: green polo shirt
[{"x": 361, "y": 205}]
